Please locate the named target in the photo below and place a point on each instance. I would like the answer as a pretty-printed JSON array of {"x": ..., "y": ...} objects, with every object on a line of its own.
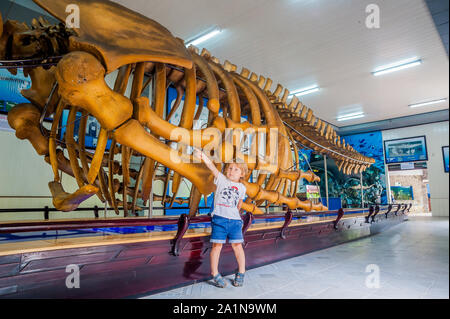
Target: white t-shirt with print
[{"x": 227, "y": 196}]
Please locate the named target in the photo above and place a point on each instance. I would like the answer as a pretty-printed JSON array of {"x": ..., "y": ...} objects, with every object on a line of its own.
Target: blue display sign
[
  {"x": 411, "y": 149},
  {"x": 445, "y": 156},
  {"x": 10, "y": 88},
  {"x": 92, "y": 130}
]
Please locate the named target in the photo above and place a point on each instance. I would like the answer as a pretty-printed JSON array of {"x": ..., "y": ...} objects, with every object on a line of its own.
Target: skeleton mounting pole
[
  {"x": 362, "y": 190},
  {"x": 150, "y": 204},
  {"x": 326, "y": 178}
]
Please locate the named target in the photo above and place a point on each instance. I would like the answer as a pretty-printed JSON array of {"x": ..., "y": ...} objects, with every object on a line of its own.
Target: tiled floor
[{"x": 411, "y": 260}]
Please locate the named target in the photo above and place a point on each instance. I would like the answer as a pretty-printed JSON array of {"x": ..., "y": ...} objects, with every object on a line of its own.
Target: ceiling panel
[{"x": 299, "y": 43}]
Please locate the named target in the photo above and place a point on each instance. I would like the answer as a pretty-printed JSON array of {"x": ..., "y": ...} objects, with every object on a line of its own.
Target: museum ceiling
[{"x": 325, "y": 43}]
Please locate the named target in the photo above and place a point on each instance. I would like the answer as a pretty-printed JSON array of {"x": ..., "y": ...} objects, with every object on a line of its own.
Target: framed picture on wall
[
  {"x": 10, "y": 88},
  {"x": 411, "y": 149},
  {"x": 402, "y": 193},
  {"x": 445, "y": 157}
]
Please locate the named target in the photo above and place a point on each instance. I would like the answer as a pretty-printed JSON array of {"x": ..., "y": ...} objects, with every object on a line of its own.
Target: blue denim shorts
[{"x": 223, "y": 228}]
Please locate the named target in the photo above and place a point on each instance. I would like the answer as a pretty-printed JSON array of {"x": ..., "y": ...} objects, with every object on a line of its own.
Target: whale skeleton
[{"x": 68, "y": 68}]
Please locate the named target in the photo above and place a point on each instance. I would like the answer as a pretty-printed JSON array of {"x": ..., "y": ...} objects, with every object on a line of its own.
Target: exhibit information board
[{"x": 406, "y": 150}]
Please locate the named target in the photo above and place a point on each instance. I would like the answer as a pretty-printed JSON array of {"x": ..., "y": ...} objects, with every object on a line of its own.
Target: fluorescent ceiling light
[
  {"x": 305, "y": 91},
  {"x": 351, "y": 116},
  {"x": 427, "y": 103},
  {"x": 397, "y": 66},
  {"x": 203, "y": 37}
]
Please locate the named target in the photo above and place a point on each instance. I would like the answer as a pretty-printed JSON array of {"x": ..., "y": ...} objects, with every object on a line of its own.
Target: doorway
[{"x": 410, "y": 185}]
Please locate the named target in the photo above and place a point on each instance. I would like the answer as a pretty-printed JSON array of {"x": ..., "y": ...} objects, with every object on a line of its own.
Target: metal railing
[
  {"x": 23, "y": 226},
  {"x": 184, "y": 221},
  {"x": 96, "y": 210}
]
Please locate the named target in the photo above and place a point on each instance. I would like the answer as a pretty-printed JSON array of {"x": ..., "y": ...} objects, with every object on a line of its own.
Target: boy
[{"x": 226, "y": 221}]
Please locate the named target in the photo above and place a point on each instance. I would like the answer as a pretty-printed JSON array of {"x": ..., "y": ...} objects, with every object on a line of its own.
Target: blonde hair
[{"x": 242, "y": 166}]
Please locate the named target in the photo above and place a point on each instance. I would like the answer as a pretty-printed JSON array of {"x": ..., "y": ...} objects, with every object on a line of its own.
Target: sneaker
[
  {"x": 218, "y": 281},
  {"x": 238, "y": 280}
]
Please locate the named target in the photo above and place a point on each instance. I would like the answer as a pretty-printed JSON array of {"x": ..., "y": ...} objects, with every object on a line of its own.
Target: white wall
[
  {"x": 24, "y": 178},
  {"x": 437, "y": 135}
]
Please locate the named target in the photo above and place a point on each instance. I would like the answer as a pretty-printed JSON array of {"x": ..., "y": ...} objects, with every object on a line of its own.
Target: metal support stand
[
  {"x": 326, "y": 179},
  {"x": 371, "y": 210},
  {"x": 377, "y": 210},
  {"x": 248, "y": 220},
  {"x": 398, "y": 208},
  {"x": 150, "y": 204},
  {"x": 183, "y": 225},
  {"x": 287, "y": 220},
  {"x": 339, "y": 216},
  {"x": 362, "y": 190},
  {"x": 388, "y": 211},
  {"x": 388, "y": 184},
  {"x": 46, "y": 213}
]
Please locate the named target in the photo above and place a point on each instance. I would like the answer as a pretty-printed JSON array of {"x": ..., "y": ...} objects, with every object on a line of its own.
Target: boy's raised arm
[{"x": 199, "y": 154}]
